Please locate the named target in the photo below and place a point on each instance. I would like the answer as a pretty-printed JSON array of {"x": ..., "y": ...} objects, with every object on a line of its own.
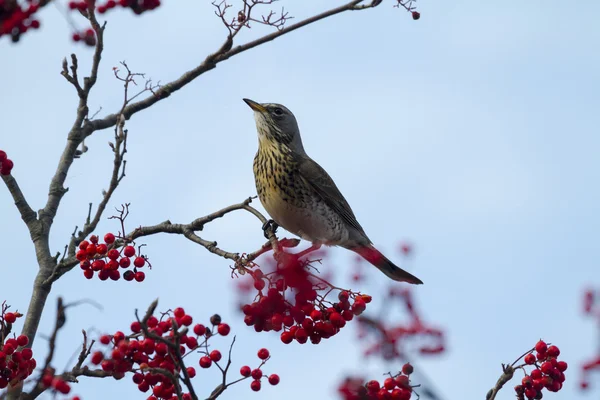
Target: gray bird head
[{"x": 275, "y": 123}]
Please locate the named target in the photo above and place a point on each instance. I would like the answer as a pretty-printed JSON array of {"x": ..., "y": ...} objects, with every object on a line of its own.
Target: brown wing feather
[{"x": 317, "y": 178}]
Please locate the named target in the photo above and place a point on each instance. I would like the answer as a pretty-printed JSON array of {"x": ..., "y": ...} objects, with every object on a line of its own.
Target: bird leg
[
  {"x": 314, "y": 247},
  {"x": 270, "y": 224}
]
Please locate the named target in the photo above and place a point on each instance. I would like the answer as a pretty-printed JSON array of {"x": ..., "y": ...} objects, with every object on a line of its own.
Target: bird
[{"x": 300, "y": 196}]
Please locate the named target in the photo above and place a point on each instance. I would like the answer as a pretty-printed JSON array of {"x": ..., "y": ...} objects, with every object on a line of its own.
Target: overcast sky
[{"x": 472, "y": 133}]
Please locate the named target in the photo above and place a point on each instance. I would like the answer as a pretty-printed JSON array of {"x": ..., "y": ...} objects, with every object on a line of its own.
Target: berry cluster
[
  {"x": 395, "y": 387},
  {"x": 157, "y": 345},
  {"x": 288, "y": 299},
  {"x": 137, "y": 6},
  {"x": 388, "y": 339},
  {"x": 106, "y": 259},
  {"x": 591, "y": 308},
  {"x": 56, "y": 383},
  {"x": 15, "y": 19},
  {"x": 16, "y": 360},
  {"x": 257, "y": 373},
  {"x": 548, "y": 372},
  {"x": 87, "y": 36},
  {"x": 6, "y": 165}
]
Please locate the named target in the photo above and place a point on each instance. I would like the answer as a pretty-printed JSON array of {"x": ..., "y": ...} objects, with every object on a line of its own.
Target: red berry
[
  {"x": 263, "y": 354},
  {"x": 91, "y": 249},
  {"x": 108, "y": 365},
  {"x": 139, "y": 262},
  {"x": 109, "y": 238},
  {"x": 101, "y": 248},
  {"x": 10, "y": 317},
  {"x": 27, "y": 354},
  {"x": 136, "y": 327},
  {"x": 178, "y": 312},
  {"x": 389, "y": 383},
  {"x": 273, "y": 379},
  {"x": 259, "y": 284},
  {"x": 191, "y": 372},
  {"x": 113, "y": 254},
  {"x": 541, "y": 347},
  {"x": 301, "y": 335},
  {"x": 199, "y": 329},
  {"x": 129, "y": 251},
  {"x": 7, "y": 166},
  {"x": 416, "y": 15},
  {"x": 373, "y": 386},
  {"x": 536, "y": 374},
  {"x": 2, "y": 156},
  {"x": 22, "y": 340},
  {"x": 88, "y": 273},
  {"x": 256, "y": 373},
  {"x": 407, "y": 369},
  {"x": 76, "y": 37},
  {"x": 140, "y": 276},
  {"x": 530, "y": 359},
  {"x": 553, "y": 351},
  {"x": 245, "y": 371},
  {"x": 105, "y": 339},
  {"x": 562, "y": 366},
  {"x": 186, "y": 320},
  {"x": 287, "y": 337},
  {"x": 223, "y": 329},
  {"x": 205, "y": 362},
  {"x": 530, "y": 393},
  {"x": 215, "y": 355},
  {"x": 125, "y": 262},
  {"x": 547, "y": 368},
  {"x": 97, "y": 358},
  {"x": 255, "y": 385}
]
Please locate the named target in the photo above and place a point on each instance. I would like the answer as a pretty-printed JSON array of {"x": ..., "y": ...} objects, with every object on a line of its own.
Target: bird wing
[{"x": 319, "y": 180}]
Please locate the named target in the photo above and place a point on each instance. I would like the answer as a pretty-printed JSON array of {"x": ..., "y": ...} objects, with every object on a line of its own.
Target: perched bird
[{"x": 301, "y": 197}]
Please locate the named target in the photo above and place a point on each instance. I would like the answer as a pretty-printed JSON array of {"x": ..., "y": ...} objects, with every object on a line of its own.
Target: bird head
[{"x": 276, "y": 124}]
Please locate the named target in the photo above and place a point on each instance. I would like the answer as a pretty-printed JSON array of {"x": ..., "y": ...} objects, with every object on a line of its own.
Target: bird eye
[{"x": 277, "y": 111}]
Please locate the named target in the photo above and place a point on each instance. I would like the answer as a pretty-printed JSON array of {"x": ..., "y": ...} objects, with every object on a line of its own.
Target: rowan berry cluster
[
  {"x": 548, "y": 372},
  {"x": 137, "y": 6},
  {"x": 395, "y": 387},
  {"x": 56, "y": 383},
  {"x": 16, "y": 19},
  {"x": 87, "y": 36},
  {"x": 293, "y": 300},
  {"x": 257, "y": 374},
  {"x": 157, "y": 348},
  {"x": 389, "y": 339},
  {"x": 106, "y": 258},
  {"x": 16, "y": 360},
  {"x": 6, "y": 165}
]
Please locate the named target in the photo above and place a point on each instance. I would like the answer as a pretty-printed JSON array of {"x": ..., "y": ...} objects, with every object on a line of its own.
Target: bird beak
[{"x": 255, "y": 106}]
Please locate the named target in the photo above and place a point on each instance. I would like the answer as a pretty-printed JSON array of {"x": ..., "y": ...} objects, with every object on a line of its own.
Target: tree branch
[
  {"x": 27, "y": 214},
  {"x": 188, "y": 230},
  {"x": 210, "y": 62}
]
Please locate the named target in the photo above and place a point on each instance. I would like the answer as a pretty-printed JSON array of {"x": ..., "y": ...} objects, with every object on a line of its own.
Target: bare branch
[
  {"x": 225, "y": 52},
  {"x": 27, "y": 214},
  {"x": 188, "y": 230}
]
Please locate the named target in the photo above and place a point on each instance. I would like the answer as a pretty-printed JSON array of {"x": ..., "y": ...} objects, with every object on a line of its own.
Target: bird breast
[{"x": 290, "y": 202}]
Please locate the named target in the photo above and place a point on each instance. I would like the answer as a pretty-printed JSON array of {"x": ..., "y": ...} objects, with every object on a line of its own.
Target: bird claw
[{"x": 270, "y": 224}]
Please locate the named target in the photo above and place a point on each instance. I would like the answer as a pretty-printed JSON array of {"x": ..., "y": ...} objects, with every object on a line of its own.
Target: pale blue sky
[{"x": 472, "y": 132}]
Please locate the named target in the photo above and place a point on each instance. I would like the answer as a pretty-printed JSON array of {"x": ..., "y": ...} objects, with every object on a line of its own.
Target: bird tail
[{"x": 374, "y": 256}]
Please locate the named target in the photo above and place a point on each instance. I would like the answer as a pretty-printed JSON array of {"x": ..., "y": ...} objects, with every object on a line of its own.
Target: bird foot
[{"x": 270, "y": 224}]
